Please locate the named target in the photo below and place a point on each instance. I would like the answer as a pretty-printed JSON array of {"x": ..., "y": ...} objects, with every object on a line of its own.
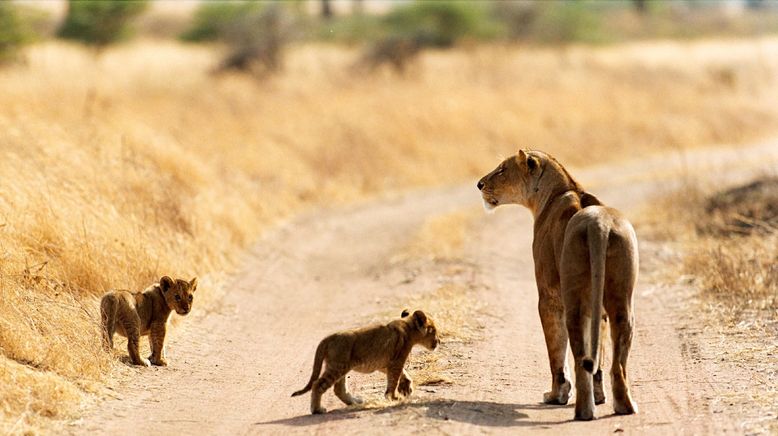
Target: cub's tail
[
  {"x": 317, "y": 361},
  {"x": 598, "y": 245}
]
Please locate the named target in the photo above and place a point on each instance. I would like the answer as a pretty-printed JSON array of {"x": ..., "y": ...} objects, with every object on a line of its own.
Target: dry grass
[
  {"x": 439, "y": 245},
  {"x": 441, "y": 237},
  {"x": 729, "y": 254},
  {"x": 118, "y": 169}
]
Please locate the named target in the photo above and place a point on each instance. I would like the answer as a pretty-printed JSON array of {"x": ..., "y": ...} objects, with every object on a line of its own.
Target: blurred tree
[
  {"x": 440, "y": 23},
  {"x": 255, "y": 33},
  {"x": 99, "y": 23},
  {"x": 13, "y": 33},
  {"x": 357, "y": 7},
  {"x": 326, "y": 9},
  {"x": 640, "y": 6}
]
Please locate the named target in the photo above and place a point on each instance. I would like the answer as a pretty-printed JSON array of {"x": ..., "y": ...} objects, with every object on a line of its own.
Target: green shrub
[
  {"x": 14, "y": 33},
  {"x": 99, "y": 22},
  {"x": 442, "y": 23},
  {"x": 212, "y": 19},
  {"x": 563, "y": 21},
  {"x": 255, "y": 33}
]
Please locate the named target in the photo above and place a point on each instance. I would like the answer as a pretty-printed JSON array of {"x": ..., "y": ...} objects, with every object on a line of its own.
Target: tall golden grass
[{"x": 120, "y": 168}]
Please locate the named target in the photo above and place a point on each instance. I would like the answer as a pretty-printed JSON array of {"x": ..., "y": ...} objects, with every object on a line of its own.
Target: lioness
[
  {"x": 585, "y": 256},
  {"x": 135, "y": 314},
  {"x": 382, "y": 348}
]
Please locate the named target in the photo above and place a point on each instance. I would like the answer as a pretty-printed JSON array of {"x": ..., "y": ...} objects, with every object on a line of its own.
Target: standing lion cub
[
  {"x": 382, "y": 348},
  {"x": 136, "y": 314}
]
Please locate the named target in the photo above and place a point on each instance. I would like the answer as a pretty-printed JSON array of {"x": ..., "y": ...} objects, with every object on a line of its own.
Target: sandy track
[{"x": 233, "y": 370}]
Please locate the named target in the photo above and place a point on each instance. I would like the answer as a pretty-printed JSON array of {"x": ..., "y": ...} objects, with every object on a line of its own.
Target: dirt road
[{"x": 232, "y": 371}]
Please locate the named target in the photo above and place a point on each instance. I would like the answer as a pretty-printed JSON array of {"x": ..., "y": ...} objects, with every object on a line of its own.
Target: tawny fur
[
  {"x": 136, "y": 314},
  {"x": 586, "y": 258},
  {"x": 382, "y": 348}
]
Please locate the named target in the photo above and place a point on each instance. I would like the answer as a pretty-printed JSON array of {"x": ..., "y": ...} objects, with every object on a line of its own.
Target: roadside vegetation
[
  {"x": 123, "y": 167},
  {"x": 721, "y": 244}
]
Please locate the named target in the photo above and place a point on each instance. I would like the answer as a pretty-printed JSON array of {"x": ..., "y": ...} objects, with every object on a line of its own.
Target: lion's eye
[
  {"x": 190, "y": 298},
  {"x": 178, "y": 298}
]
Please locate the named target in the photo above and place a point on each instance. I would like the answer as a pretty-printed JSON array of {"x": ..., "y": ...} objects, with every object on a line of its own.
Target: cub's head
[
  {"x": 513, "y": 181},
  {"x": 178, "y": 293},
  {"x": 424, "y": 327}
]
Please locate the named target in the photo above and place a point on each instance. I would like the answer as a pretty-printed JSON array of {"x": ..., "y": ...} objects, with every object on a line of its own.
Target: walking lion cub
[
  {"x": 382, "y": 348},
  {"x": 136, "y": 314}
]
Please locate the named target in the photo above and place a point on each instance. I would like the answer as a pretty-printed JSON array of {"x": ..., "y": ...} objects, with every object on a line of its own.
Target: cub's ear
[
  {"x": 522, "y": 155},
  {"x": 419, "y": 319},
  {"x": 405, "y": 313},
  {"x": 165, "y": 283},
  {"x": 193, "y": 284}
]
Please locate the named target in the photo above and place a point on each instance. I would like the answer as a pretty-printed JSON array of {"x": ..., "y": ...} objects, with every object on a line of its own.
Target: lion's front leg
[{"x": 552, "y": 318}]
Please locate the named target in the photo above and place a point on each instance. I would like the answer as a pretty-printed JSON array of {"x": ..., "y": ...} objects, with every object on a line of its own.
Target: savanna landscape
[{"x": 312, "y": 186}]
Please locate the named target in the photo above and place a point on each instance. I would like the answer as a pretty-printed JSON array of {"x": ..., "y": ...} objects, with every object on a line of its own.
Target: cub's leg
[
  {"x": 330, "y": 376},
  {"x": 341, "y": 390},
  {"x": 393, "y": 375},
  {"x": 405, "y": 388},
  {"x": 552, "y": 318},
  {"x": 108, "y": 305},
  {"x": 131, "y": 325},
  {"x": 157, "y": 342}
]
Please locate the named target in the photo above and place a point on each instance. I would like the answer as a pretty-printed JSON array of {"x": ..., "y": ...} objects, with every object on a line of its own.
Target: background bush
[
  {"x": 256, "y": 33},
  {"x": 441, "y": 23},
  {"x": 99, "y": 22},
  {"x": 14, "y": 32}
]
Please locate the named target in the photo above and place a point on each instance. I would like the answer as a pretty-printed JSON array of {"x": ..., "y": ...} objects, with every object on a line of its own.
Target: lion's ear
[
  {"x": 193, "y": 284},
  {"x": 419, "y": 319},
  {"x": 165, "y": 283},
  {"x": 522, "y": 155},
  {"x": 532, "y": 163},
  {"x": 404, "y": 313}
]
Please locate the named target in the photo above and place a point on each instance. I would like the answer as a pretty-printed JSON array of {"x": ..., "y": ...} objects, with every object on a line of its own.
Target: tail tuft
[
  {"x": 588, "y": 364},
  {"x": 300, "y": 392}
]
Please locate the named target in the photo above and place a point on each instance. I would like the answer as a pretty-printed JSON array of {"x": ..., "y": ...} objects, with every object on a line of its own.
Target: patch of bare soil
[{"x": 233, "y": 370}]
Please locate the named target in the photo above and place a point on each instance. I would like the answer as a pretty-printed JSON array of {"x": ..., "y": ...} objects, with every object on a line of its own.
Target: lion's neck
[{"x": 555, "y": 185}]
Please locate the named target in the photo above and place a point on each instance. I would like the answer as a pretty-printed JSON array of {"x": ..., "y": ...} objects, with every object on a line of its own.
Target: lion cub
[
  {"x": 376, "y": 348},
  {"x": 136, "y": 314}
]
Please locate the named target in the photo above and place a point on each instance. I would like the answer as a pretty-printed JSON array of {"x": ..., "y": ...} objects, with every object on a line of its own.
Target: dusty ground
[{"x": 233, "y": 370}]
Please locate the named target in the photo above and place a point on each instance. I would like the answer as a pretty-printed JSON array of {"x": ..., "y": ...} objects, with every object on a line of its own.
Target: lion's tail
[
  {"x": 597, "y": 236},
  {"x": 317, "y": 361}
]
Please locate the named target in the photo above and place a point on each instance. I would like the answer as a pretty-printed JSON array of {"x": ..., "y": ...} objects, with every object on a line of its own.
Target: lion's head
[
  {"x": 424, "y": 326},
  {"x": 512, "y": 181},
  {"x": 529, "y": 178},
  {"x": 178, "y": 293}
]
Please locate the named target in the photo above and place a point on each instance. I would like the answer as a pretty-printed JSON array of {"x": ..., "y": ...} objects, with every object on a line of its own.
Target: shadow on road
[{"x": 484, "y": 413}]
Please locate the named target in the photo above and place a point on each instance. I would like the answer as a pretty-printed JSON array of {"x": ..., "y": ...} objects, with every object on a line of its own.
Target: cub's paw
[
  {"x": 357, "y": 400},
  {"x": 391, "y": 396},
  {"x": 405, "y": 388},
  {"x": 143, "y": 362},
  {"x": 318, "y": 410},
  {"x": 158, "y": 362}
]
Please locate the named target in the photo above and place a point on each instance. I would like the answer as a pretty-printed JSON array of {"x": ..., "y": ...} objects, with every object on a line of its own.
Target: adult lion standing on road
[{"x": 586, "y": 257}]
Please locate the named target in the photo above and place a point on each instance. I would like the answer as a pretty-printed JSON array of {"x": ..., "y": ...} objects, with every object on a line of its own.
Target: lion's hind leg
[
  {"x": 584, "y": 389},
  {"x": 618, "y": 305},
  {"x": 108, "y": 306},
  {"x": 621, "y": 332},
  {"x": 599, "y": 391},
  {"x": 342, "y": 392},
  {"x": 331, "y": 375}
]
